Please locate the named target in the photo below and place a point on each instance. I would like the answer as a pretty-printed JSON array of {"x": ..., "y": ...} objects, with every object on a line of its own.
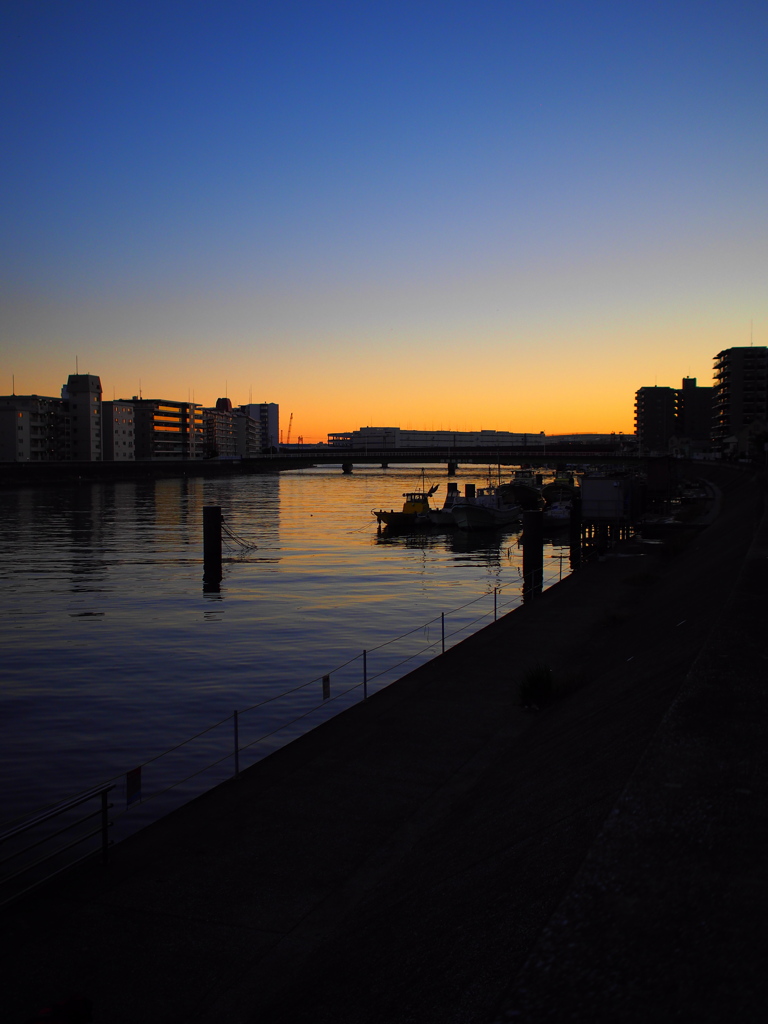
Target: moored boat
[
  {"x": 557, "y": 514},
  {"x": 416, "y": 504},
  {"x": 486, "y": 509},
  {"x": 442, "y": 516}
]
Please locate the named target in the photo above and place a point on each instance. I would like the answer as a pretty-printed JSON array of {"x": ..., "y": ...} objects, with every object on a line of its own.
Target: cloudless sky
[{"x": 504, "y": 214}]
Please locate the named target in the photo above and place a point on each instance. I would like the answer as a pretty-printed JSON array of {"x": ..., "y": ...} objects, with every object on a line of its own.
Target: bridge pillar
[
  {"x": 385, "y": 465},
  {"x": 452, "y": 467},
  {"x": 346, "y": 467}
]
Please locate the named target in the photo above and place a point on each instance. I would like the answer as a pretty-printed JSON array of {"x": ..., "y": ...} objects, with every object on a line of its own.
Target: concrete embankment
[{"x": 440, "y": 854}]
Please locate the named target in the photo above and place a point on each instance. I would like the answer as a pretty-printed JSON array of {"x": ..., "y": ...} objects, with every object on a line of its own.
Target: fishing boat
[
  {"x": 416, "y": 504},
  {"x": 557, "y": 514},
  {"x": 442, "y": 516},
  {"x": 485, "y": 509},
  {"x": 524, "y": 489}
]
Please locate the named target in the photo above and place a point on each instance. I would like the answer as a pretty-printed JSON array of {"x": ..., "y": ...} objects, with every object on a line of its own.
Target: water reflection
[{"x": 103, "y": 583}]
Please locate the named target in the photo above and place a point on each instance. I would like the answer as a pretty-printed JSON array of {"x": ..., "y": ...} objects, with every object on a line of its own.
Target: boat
[
  {"x": 485, "y": 509},
  {"x": 416, "y": 504},
  {"x": 524, "y": 489},
  {"x": 557, "y": 514},
  {"x": 442, "y": 516}
]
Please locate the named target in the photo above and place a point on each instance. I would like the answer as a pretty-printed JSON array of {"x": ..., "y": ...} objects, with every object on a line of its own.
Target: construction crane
[{"x": 290, "y": 424}]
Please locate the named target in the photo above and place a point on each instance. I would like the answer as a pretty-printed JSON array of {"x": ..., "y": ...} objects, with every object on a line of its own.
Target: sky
[{"x": 457, "y": 214}]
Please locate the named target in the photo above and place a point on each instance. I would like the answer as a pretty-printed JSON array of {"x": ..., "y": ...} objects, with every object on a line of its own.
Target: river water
[{"x": 112, "y": 653}]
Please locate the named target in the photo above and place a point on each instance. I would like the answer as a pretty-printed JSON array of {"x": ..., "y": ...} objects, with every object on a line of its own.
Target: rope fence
[{"x": 303, "y": 703}]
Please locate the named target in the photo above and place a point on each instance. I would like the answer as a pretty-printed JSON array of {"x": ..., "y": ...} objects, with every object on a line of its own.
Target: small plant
[{"x": 536, "y": 687}]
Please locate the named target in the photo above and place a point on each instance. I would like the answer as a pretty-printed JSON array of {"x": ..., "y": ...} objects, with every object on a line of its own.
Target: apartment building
[
  {"x": 82, "y": 395},
  {"x": 268, "y": 416},
  {"x": 165, "y": 429},
  {"x": 741, "y": 398},
  {"x": 34, "y": 428},
  {"x": 118, "y": 431}
]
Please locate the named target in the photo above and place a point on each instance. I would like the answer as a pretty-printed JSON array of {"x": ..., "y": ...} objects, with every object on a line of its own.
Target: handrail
[{"x": 41, "y": 819}]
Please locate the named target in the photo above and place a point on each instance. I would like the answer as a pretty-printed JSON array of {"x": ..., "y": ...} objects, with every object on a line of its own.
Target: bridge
[
  {"x": 555, "y": 457},
  {"x": 14, "y": 474}
]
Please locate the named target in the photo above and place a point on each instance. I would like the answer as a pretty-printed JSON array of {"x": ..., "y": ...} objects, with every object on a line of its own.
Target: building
[
  {"x": 655, "y": 418},
  {"x": 118, "y": 431},
  {"x": 34, "y": 428},
  {"x": 249, "y": 441},
  {"x": 384, "y": 438},
  {"x": 219, "y": 431},
  {"x": 165, "y": 429},
  {"x": 741, "y": 399},
  {"x": 268, "y": 416},
  {"x": 82, "y": 395},
  {"x": 694, "y": 411}
]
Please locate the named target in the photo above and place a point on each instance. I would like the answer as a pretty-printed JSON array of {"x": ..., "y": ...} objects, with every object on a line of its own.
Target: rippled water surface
[{"x": 112, "y": 653}]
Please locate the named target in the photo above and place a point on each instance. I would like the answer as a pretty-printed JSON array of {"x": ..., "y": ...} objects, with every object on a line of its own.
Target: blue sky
[{"x": 364, "y": 210}]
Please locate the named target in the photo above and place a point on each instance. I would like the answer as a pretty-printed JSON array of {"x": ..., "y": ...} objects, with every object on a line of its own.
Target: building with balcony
[
  {"x": 34, "y": 428},
  {"x": 268, "y": 416},
  {"x": 694, "y": 411},
  {"x": 82, "y": 395},
  {"x": 741, "y": 399},
  {"x": 118, "y": 431},
  {"x": 655, "y": 420},
  {"x": 219, "y": 431},
  {"x": 165, "y": 429}
]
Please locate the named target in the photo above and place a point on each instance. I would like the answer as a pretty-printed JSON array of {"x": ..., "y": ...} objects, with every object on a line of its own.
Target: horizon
[{"x": 492, "y": 215}]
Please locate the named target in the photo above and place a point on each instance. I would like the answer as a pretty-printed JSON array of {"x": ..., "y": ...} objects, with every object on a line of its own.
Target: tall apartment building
[
  {"x": 34, "y": 428},
  {"x": 683, "y": 413},
  {"x": 82, "y": 395},
  {"x": 118, "y": 431},
  {"x": 654, "y": 418},
  {"x": 168, "y": 430},
  {"x": 230, "y": 433},
  {"x": 219, "y": 430},
  {"x": 268, "y": 415},
  {"x": 694, "y": 410},
  {"x": 741, "y": 397}
]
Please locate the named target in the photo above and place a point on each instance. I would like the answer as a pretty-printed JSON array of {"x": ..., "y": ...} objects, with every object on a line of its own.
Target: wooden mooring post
[
  {"x": 533, "y": 553},
  {"x": 212, "y": 520}
]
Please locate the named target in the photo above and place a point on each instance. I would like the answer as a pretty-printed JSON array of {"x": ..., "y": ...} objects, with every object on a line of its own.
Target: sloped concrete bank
[{"x": 411, "y": 859}]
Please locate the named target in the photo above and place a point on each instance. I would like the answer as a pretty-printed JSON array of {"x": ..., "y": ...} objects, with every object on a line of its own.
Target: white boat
[
  {"x": 486, "y": 509},
  {"x": 442, "y": 516},
  {"x": 558, "y": 513}
]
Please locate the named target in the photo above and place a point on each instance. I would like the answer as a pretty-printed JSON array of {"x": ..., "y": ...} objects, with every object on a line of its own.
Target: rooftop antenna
[
  {"x": 13, "y": 383},
  {"x": 139, "y": 388},
  {"x": 77, "y": 368}
]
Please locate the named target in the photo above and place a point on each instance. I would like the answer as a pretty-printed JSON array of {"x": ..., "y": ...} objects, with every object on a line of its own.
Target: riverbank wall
[{"x": 441, "y": 853}]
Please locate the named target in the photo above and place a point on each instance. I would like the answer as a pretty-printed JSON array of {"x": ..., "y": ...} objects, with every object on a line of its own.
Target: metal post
[
  {"x": 104, "y": 827},
  {"x": 237, "y": 746},
  {"x": 495, "y": 591},
  {"x": 442, "y": 626},
  {"x": 365, "y": 675}
]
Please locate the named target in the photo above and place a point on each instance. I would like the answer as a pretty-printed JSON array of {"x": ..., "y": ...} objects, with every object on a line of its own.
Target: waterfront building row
[{"x": 81, "y": 426}]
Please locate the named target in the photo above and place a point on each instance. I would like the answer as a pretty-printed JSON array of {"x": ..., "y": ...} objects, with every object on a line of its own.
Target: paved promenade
[{"x": 439, "y": 854}]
